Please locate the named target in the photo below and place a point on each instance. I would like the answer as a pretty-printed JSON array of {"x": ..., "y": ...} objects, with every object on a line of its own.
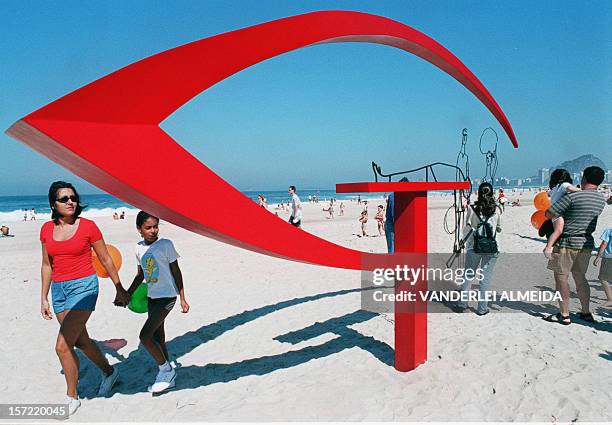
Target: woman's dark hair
[
  {"x": 485, "y": 204},
  {"x": 55, "y": 186},
  {"x": 560, "y": 175},
  {"x": 144, "y": 216}
]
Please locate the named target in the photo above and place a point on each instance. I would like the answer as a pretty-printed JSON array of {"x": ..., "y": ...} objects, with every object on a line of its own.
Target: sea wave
[{"x": 18, "y": 215}]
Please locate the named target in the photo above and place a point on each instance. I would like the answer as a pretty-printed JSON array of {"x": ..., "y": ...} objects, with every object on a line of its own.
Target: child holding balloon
[
  {"x": 560, "y": 185},
  {"x": 158, "y": 268}
]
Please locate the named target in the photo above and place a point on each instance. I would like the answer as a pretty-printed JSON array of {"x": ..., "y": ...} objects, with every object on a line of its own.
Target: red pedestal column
[
  {"x": 411, "y": 316},
  {"x": 410, "y": 226}
]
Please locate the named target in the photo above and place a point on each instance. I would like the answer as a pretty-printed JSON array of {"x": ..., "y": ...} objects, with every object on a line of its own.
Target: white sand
[{"x": 240, "y": 362}]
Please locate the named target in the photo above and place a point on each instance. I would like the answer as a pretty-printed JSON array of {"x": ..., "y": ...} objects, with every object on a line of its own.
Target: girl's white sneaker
[
  {"x": 164, "y": 381},
  {"x": 73, "y": 405}
]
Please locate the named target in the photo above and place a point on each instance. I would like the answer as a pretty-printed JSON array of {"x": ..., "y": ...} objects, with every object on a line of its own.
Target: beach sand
[{"x": 274, "y": 340}]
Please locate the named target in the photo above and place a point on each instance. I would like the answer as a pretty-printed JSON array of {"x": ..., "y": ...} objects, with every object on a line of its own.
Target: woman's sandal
[
  {"x": 587, "y": 317},
  {"x": 558, "y": 318}
]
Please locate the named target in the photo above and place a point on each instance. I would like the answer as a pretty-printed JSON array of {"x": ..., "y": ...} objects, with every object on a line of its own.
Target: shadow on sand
[
  {"x": 139, "y": 363},
  {"x": 545, "y": 309},
  {"x": 531, "y": 238}
]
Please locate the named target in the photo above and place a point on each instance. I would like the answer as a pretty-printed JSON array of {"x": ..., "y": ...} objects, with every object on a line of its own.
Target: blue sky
[{"x": 320, "y": 115}]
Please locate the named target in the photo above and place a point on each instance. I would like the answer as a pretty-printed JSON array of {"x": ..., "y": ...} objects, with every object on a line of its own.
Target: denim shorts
[{"x": 76, "y": 294}]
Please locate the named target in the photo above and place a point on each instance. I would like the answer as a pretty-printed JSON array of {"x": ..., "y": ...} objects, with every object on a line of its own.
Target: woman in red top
[{"x": 68, "y": 271}]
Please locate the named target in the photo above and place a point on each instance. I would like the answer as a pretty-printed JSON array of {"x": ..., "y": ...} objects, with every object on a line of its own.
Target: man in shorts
[
  {"x": 296, "y": 208},
  {"x": 572, "y": 251}
]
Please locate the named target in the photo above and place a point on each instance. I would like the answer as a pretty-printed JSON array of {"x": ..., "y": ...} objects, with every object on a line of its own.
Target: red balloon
[
  {"x": 541, "y": 201},
  {"x": 537, "y": 219}
]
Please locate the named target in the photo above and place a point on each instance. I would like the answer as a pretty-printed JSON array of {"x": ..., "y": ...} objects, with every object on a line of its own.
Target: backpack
[{"x": 484, "y": 237}]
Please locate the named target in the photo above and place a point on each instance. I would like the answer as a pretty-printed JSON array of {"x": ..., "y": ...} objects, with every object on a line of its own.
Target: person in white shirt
[
  {"x": 158, "y": 268},
  {"x": 296, "y": 208},
  {"x": 261, "y": 201}
]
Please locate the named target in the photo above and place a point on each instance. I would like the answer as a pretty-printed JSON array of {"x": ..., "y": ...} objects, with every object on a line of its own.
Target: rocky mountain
[{"x": 580, "y": 163}]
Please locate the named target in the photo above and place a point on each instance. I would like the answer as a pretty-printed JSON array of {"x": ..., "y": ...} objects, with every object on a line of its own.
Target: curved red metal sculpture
[{"x": 98, "y": 130}]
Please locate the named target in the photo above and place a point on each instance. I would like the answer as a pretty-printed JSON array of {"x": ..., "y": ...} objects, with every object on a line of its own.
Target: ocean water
[{"x": 12, "y": 208}]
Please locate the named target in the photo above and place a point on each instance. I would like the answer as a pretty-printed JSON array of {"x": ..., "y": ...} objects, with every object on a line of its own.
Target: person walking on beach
[
  {"x": 501, "y": 200},
  {"x": 296, "y": 208},
  {"x": 363, "y": 219},
  {"x": 342, "y": 208},
  {"x": 380, "y": 219},
  {"x": 572, "y": 250},
  {"x": 261, "y": 200},
  {"x": 390, "y": 223},
  {"x": 158, "y": 268},
  {"x": 67, "y": 241},
  {"x": 330, "y": 209},
  {"x": 484, "y": 222},
  {"x": 605, "y": 271}
]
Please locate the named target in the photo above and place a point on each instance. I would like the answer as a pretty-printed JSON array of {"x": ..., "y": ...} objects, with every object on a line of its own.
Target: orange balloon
[
  {"x": 541, "y": 201},
  {"x": 537, "y": 219},
  {"x": 98, "y": 267},
  {"x": 115, "y": 256}
]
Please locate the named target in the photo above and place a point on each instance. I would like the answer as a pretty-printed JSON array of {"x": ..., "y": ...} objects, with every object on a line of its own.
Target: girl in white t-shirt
[
  {"x": 158, "y": 268},
  {"x": 560, "y": 185}
]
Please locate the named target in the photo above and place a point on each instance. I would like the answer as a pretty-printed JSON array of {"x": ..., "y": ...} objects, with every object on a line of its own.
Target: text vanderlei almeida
[{"x": 459, "y": 276}]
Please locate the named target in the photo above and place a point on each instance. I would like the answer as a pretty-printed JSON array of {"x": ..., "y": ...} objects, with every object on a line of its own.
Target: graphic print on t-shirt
[
  {"x": 155, "y": 260},
  {"x": 150, "y": 268}
]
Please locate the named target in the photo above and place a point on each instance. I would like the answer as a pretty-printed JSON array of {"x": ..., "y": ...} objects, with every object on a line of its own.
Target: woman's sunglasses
[{"x": 65, "y": 199}]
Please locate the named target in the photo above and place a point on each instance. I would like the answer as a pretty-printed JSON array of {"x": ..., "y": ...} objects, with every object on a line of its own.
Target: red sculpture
[{"x": 98, "y": 130}]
